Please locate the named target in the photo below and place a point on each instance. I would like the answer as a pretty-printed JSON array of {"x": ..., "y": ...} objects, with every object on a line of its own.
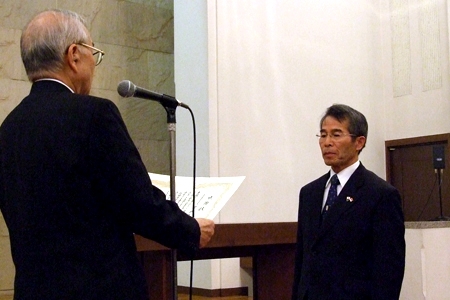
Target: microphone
[{"x": 128, "y": 89}]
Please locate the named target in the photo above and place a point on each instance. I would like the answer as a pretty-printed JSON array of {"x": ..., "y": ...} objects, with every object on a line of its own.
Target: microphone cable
[
  {"x": 429, "y": 198},
  {"x": 194, "y": 175}
]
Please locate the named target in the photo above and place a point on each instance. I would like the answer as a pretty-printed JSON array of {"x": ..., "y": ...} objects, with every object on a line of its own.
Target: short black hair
[{"x": 357, "y": 123}]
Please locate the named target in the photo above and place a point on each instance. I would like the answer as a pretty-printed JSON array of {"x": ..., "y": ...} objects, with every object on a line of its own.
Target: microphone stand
[{"x": 171, "y": 121}]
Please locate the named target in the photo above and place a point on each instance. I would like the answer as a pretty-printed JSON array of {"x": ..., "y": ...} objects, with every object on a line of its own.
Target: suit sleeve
[
  {"x": 123, "y": 184},
  {"x": 298, "y": 253},
  {"x": 388, "y": 246}
]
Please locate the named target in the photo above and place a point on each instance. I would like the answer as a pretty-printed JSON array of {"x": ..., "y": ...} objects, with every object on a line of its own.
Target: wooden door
[{"x": 423, "y": 188}]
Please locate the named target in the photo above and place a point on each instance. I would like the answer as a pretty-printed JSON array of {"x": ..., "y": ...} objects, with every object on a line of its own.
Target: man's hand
[{"x": 206, "y": 230}]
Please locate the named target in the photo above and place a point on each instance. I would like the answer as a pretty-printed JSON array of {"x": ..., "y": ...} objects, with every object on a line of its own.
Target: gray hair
[{"x": 43, "y": 43}]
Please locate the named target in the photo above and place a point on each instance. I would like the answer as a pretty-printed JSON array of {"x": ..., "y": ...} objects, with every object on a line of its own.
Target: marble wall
[{"x": 137, "y": 36}]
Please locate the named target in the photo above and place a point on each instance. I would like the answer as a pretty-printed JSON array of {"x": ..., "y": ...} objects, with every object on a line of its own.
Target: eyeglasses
[
  {"x": 334, "y": 136},
  {"x": 97, "y": 53}
]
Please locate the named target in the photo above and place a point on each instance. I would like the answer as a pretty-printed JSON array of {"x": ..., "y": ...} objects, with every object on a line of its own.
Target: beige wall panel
[
  {"x": 6, "y": 264},
  {"x": 10, "y": 63},
  {"x": 11, "y": 93},
  {"x": 16, "y": 13}
]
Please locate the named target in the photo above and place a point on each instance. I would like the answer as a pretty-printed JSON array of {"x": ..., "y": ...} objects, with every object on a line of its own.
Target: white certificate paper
[{"x": 211, "y": 193}]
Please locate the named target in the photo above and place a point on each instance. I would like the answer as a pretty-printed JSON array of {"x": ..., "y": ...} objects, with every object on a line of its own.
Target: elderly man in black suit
[
  {"x": 73, "y": 188},
  {"x": 350, "y": 239}
]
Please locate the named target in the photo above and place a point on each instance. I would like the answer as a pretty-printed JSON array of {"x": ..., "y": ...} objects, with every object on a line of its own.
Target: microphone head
[{"x": 126, "y": 88}]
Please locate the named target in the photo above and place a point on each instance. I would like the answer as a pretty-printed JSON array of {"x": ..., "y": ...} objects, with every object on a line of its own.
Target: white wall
[
  {"x": 275, "y": 66},
  {"x": 191, "y": 82},
  {"x": 427, "y": 271},
  {"x": 280, "y": 65},
  {"x": 418, "y": 31}
]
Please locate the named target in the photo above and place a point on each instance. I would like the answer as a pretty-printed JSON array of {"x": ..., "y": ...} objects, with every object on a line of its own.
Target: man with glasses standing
[
  {"x": 73, "y": 188},
  {"x": 350, "y": 238}
]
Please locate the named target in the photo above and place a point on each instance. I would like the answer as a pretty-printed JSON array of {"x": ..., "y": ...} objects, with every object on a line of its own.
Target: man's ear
[
  {"x": 73, "y": 57},
  {"x": 360, "y": 142}
]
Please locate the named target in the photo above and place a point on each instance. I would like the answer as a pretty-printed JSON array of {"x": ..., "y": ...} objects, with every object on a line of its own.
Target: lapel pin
[{"x": 349, "y": 199}]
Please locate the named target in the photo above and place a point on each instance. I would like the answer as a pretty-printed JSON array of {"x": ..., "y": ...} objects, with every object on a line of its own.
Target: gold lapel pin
[{"x": 349, "y": 199}]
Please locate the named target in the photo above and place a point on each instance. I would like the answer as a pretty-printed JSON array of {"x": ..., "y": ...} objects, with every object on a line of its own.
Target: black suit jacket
[
  {"x": 358, "y": 250},
  {"x": 73, "y": 190}
]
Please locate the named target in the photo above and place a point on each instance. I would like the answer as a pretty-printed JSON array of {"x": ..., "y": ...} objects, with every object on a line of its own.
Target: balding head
[{"x": 45, "y": 40}]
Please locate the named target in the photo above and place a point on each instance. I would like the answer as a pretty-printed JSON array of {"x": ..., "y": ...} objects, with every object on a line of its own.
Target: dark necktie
[{"x": 332, "y": 195}]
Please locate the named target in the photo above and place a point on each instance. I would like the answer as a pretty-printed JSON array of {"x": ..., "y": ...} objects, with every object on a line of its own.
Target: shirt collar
[
  {"x": 56, "y": 80},
  {"x": 345, "y": 174}
]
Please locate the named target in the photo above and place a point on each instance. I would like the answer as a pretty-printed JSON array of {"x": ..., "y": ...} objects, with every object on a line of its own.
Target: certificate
[{"x": 211, "y": 193}]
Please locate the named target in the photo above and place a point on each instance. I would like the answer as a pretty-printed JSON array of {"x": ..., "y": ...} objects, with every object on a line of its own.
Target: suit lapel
[
  {"x": 345, "y": 200},
  {"x": 317, "y": 196}
]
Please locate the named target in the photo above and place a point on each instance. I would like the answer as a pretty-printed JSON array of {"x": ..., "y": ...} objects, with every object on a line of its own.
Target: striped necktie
[{"x": 332, "y": 195}]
